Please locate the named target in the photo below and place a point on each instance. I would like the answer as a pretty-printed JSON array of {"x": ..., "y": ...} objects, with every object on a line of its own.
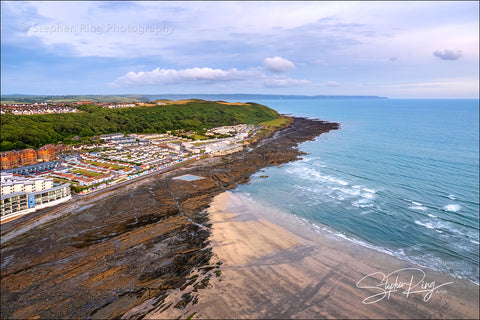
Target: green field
[
  {"x": 58, "y": 180},
  {"x": 87, "y": 173},
  {"x": 113, "y": 166},
  {"x": 197, "y": 136},
  {"x": 277, "y": 123}
]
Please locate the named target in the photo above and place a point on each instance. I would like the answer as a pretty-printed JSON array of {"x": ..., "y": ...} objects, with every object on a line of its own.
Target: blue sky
[{"x": 394, "y": 49}]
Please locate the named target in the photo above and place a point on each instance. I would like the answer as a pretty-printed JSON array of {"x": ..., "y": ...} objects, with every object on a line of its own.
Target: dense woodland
[{"x": 33, "y": 131}]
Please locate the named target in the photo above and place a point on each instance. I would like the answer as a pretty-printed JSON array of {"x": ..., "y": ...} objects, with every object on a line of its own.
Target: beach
[{"x": 272, "y": 267}]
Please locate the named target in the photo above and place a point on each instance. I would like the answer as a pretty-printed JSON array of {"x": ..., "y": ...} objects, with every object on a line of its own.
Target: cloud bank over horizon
[
  {"x": 171, "y": 76},
  {"x": 209, "y": 75}
]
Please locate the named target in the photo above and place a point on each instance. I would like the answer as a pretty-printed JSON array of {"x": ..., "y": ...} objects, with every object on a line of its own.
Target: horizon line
[{"x": 233, "y": 94}]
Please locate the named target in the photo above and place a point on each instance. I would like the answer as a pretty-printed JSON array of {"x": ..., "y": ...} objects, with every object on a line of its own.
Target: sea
[{"x": 400, "y": 176}]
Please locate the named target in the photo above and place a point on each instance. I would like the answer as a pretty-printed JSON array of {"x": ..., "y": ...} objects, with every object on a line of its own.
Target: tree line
[{"x": 33, "y": 131}]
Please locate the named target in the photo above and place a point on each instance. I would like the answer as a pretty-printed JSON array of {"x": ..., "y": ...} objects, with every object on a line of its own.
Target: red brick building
[
  {"x": 28, "y": 157},
  {"x": 46, "y": 153},
  {"x": 25, "y": 157},
  {"x": 9, "y": 159}
]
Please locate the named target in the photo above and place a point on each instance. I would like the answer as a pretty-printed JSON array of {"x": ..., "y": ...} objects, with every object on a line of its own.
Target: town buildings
[
  {"x": 118, "y": 158},
  {"x": 34, "y": 168},
  {"x": 21, "y": 195},
  {"x": 46, "y": 153},
  {"x": 16, "y": 158},
  {"x": 36, "y": 108},
  {"x": 108, "y": 137},
  {"x": 122, "y": 105},
  {"x": 28, "y": 157}
]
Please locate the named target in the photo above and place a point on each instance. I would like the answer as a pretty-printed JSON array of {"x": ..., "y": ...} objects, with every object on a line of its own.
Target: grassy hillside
[{"x": 33, "y": 131}]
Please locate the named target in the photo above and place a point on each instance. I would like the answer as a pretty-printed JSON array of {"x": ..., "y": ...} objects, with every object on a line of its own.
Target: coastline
[
  {"x": 150, "y": 249},
  {"x": 124, "y": 251},
  {"x": 272, "y": 267}
]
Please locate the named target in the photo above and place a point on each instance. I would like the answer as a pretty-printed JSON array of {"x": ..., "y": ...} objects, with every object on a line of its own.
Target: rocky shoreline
[{"x": 120, "y": 253}]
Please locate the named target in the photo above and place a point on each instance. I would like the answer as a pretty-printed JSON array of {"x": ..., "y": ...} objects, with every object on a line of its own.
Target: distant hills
[
  {"x": 128, "y": 98},
  {"x": 242, "y": 96}
]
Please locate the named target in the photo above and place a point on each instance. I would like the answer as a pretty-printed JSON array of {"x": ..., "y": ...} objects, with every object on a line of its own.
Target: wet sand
[{"x": 273, "y": 267}]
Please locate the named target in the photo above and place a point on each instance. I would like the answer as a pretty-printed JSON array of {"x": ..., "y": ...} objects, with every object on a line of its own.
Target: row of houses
[
  {"x": 93, "y": 156},
  {"x": 120, "y": 105},
  {"x": 46, "y": 110},
  {"x": 80, "y": 179},
  {"x": 41, "y": 167}
]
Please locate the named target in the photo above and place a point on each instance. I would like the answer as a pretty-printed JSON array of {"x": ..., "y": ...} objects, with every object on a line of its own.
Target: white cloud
[
  {"x": 277, "y": 82},
  {"x": 447, "y": 54},
  {"x": 278, "y": 64},
  {"x": 209, "y": 75},
  {"x": 171, "y": 76},
  {"x": 204, "y": 75}
]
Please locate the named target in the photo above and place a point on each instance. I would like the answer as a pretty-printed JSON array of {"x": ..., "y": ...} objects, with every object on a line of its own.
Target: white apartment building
[{"x": 20, "y": 195}]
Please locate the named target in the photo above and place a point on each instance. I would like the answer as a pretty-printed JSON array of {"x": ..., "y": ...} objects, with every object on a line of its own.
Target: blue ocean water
[{"x": 400, "y": 176}]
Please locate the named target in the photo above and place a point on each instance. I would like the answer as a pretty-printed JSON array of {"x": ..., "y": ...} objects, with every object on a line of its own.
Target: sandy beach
[{"x": 273, "y": 267}]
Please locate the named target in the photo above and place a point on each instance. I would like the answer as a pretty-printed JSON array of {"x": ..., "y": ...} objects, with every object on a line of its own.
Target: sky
[{"x": 391, "y": 49}]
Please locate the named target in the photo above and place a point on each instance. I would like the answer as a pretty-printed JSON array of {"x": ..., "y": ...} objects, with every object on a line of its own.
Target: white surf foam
[
  {"x": 362, "y": 206},
  {"x": 419, "y": 208},
  {"x": 425, "y": 224},
  {"x": 352, "y": 192},
  {"x": 452, "y": 207},
  {"x": 368, "y": 195},
  {"x": 336, "y": 180},
  {"x": 451, "y": 197},
  {"x": 441, "y": 226}
]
